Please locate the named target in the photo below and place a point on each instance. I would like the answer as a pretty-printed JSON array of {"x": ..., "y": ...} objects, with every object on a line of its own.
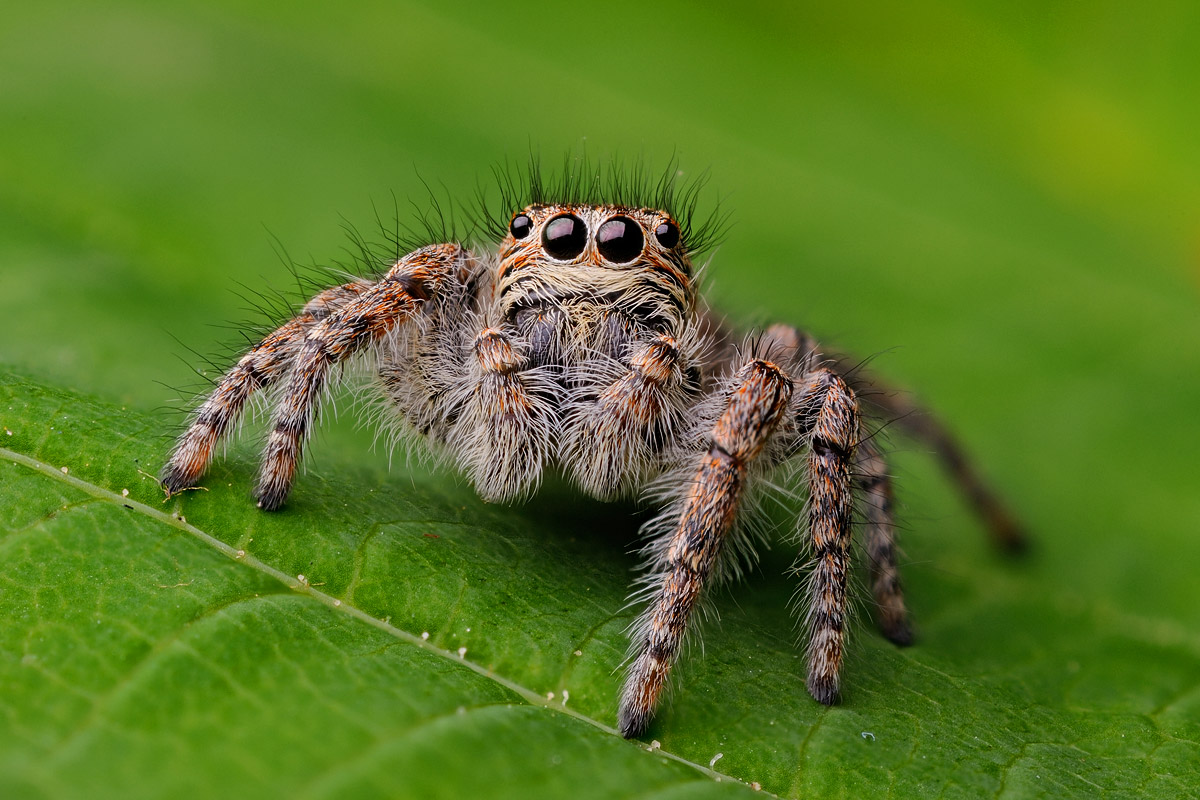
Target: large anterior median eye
[
  {"x": 564, "y": 237},
  {"x": 620, "y": 240}
]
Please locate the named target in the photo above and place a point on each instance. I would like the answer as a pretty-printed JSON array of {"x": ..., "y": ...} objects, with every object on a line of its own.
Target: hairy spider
[{"x": 580, "y": 343}]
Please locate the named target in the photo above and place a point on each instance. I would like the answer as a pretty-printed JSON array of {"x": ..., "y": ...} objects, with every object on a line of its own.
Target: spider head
[{"x": 592, "y": 261}]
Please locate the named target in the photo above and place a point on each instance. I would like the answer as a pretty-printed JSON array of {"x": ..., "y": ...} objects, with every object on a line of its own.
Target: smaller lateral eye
[
  {"x": 620, "y": 240},
  {"x": 520, "y": 226},
  {"x": 667, "y": 234}
]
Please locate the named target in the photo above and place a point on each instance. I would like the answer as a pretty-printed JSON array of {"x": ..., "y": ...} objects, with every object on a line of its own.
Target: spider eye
[
  {"x": 667, "y": 234},
  {"x": 565, "y": 237},
  {"x": 520, "y": 226},
  {"x": 620, "y": 240}
]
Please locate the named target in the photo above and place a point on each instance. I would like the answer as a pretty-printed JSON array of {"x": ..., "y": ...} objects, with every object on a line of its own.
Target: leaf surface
[{"x": 152, "y": 648}]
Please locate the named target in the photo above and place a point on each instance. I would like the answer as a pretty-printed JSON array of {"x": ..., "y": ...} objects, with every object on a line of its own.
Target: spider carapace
[{"x": 580, "y": 343}]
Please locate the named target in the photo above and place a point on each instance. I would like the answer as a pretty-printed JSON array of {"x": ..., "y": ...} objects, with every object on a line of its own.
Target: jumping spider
[{"x": 580, "y": 343}]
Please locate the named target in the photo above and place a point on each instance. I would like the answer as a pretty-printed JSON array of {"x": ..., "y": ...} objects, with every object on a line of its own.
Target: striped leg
[
  {"x": 872, "y": 480},
  {"x": 363, "y": 321},
  {"x": 829, "y": 411},
  {"x": 263, "y": 365},
  {"x": 758, "y": 401}
]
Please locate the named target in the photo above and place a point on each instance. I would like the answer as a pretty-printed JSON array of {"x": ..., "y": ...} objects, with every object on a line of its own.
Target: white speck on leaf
[
  {"x": 124, "y": 493},
  {"x": 425, "y": 636},
  {"x": 715, "y": 759},
  {"x": 462, "y": 652},
  {"x": 868, "y": 735},
  {"x": 65, "y": 470}
]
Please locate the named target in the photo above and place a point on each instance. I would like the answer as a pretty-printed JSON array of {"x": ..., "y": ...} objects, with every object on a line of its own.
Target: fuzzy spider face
[{"x": 589, "y": 267}]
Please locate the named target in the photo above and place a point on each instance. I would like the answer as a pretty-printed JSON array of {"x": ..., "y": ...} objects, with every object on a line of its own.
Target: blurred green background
[{"x": 1001, "y": 201}]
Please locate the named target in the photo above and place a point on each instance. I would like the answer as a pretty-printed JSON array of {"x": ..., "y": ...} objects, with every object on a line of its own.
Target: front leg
[
  {"x": 414, "y": 280},
  {"x": 756, "y": 404}
]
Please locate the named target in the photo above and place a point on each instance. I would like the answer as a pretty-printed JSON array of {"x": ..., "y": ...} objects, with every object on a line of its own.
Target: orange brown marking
[
  {"x": 711, "y": 505},
  {"x": 258, "y": 369},
  {"x": 362, "y": 321},
  {"x": 831, "y": 416}
]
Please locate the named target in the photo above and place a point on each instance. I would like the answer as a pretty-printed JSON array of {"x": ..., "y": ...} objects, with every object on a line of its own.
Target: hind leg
[
  {"x": 875, "y": 488},
  {"x": 917, "y": 422}
]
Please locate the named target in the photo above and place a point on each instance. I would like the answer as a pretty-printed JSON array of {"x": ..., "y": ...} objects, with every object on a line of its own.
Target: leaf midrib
[{"x": 178, "y": 522}]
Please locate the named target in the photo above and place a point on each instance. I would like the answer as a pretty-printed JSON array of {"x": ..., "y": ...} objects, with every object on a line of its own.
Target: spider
[{"x": 580, "y": 343}]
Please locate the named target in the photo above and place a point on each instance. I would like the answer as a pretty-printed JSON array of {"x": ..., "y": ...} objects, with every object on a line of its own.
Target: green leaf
[
  {"x": 367, "y": 641},
  {"x": 386, "y": 634}
]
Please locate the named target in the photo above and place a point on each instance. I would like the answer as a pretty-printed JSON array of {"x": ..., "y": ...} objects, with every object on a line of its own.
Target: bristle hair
[{"x": 608, "y": 181}]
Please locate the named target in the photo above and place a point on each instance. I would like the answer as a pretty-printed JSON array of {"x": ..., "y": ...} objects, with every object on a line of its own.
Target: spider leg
[
  {"x": 258, "y": 369},
  {"x": 622, "y": 428},
  {"x": 1004, "y": 529},
  {"x": 921, "y": 424},
  {"x": 759, "y": 400},
  {"x": 364, "y": 321},
  {"x": 828, "y": 412},
  {"x": 872, "y": 480},
  {"x": 791, "y": 345}
]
